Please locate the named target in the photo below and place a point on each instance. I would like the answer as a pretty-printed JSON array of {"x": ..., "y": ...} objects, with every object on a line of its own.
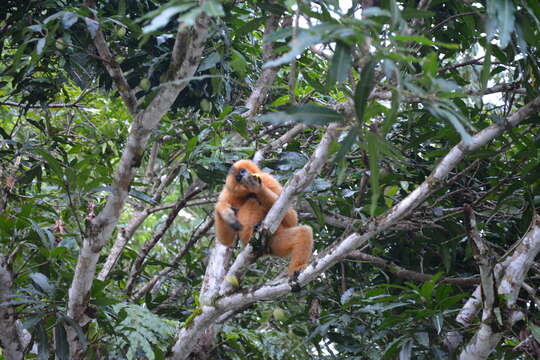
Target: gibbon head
[{"x": 242, "y": 173}]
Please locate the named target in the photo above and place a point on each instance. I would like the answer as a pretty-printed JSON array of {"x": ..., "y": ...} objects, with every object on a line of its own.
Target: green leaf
[
  {"x": 341, "y": 63},
  {"x": 33, "y": 320},
  {"x": 42, "y": 343},
  {"x": 521, "y": 36},
  {"x": 213, "y": 8},
  {"x": 424, "y": 41},
  {"x": 62, "y": 346},
  {"x": 233, "y": 280},
  {"x": 308, "y": 37},
  {"x": 238, "y": 63},
  {"x": 347, "y": 143},
  {"x": 142, "y": 196},
  {"x": 163, "y": 17},
  {"x": 279, "y": 35},
  {"x": 308, "y": 114},
  {"x": 430, "y": 65},
  {"x": 240, "y": 125},
  {"x": 346, "y": 296},
  {"x": 69, "y": 19},
  {"x": 391, "y": 116},
  {"x": 289, "y": 161},
  {"x": 453, "y": 117},
  {"x": 500, "y": 20},
  {"x": 316, "y": 210},
  {"x": 251, "y": 26},
  {"x": 191, "y": 145},
  {"x": 363, "y": 89},
  {"x": 427, "y": 288},
  {"x": 311, "y": 114},
  {"x": 40, "y": 45},
  {"x": 303, "y": 40},
  {"x": 44, "y": 234},
  {"x": 410, "y": 13},
  {"x": 42, "y": 283},
  {"x": 373, "y": 155},
  {"x": 209, "y": 62},
  {"x": 375, "y": 11},
  {"x": 535, "y": 330},
  {"x": 92, "y": 26}
]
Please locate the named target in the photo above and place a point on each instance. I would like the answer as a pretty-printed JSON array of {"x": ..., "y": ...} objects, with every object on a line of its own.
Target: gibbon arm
[
  {"x": 226, "y": 222},
  {"x": 267, "y": 197},
  {"x": 227, "y": 213}
]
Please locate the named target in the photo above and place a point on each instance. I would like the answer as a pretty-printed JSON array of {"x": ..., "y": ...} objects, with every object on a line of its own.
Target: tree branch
[
  {"x": 74, "y": 103},
  {"x": 196, "y": 202},
  {"x": 520, "y": 263},
  {"x": 279, "y": 142},
  {"x": 486, "y": 338},
  {"x": 484, "y": 258},
  {"x": 412, "y": 99},
  {"x": 260, "y": 92},
  {"x": 489, "y": 334},
  {"x": 124, "y": 234},
  {"x": 10, "y": 341},
  {"x": 403, "y": 273},
  {"x": 113, "y": 68}
]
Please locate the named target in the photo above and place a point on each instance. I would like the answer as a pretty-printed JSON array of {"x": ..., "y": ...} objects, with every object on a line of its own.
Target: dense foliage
[{"x": 407, "y": 80}]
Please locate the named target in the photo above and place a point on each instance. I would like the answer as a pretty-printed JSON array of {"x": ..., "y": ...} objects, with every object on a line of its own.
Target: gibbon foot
[
  {"x": 260, "y": 240},
  {"x": 293, "y": 281},
  {"x": 236, "y": 226},
  {"x": 229, "y": 216}
]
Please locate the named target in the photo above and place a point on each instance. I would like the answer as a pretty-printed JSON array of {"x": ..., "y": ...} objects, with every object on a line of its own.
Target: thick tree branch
[
  {"x": 486, "y": 338},
  {"x": 519, "y": 264},
  {"x": 301, "y": 179},
  {"x": 484, "y": 258},
  {"x": 473, "y": 305},
  {"x": 489, "y": 334},
  {"x": 10, "y": 341}
]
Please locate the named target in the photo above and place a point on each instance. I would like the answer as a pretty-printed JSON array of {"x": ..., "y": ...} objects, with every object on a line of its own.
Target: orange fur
[{"x": 245, "y": 200}]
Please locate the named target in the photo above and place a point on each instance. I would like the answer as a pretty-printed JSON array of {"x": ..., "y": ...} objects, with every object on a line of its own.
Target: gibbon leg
[
  {"x": 225, "y": 234},
  {"x": 249, "y": 215},
  {"x": 295, "y": 241}
]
